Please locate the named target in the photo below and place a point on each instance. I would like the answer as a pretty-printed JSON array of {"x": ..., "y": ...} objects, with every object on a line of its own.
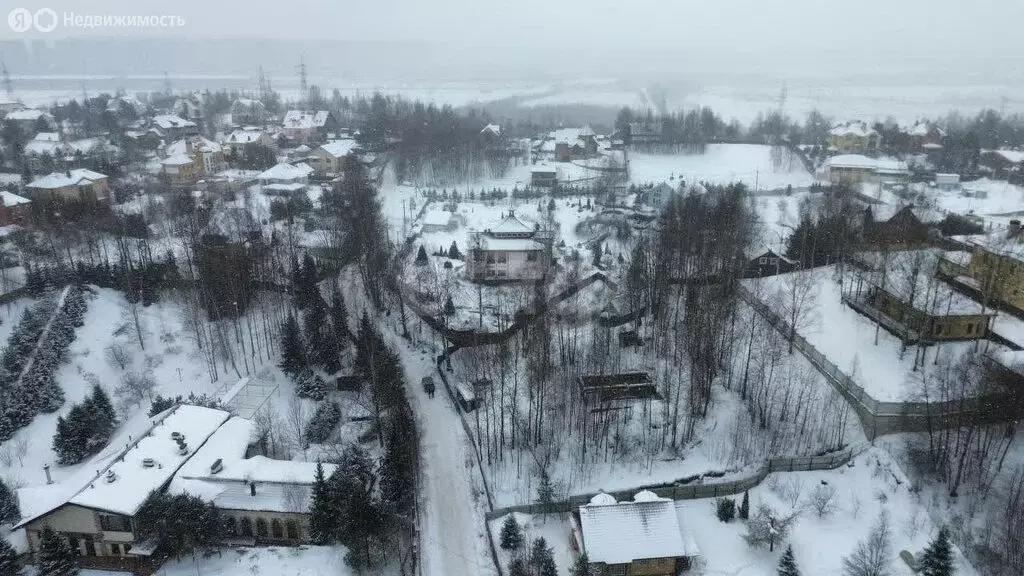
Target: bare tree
[
  {"x": 798, "y": 299},
  {"x": 823, "y": 500},
  {"x": 767, "y": 527},
  {"x": 117, "y": 354},
  {"x": 133, "y": 389},
  {"x": 873, "y": 556}
]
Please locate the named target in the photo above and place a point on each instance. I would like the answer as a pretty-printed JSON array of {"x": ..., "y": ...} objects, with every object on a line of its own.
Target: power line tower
[
  {"x": 777, "y": 153},
  {"x": 8, "y": 84},
  {"x": 262, "y": 80},
  {"x": 168, "y": 90},
  {"x": 303, "y": 81}
]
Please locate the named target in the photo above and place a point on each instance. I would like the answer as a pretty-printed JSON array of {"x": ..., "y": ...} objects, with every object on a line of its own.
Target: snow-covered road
[{"x": 450, "y": 527}]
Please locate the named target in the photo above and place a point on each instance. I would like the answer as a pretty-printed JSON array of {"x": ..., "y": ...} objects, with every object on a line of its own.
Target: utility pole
[{"x": 8, "y": 85}]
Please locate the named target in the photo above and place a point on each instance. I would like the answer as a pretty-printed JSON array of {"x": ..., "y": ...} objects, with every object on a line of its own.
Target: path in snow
[{"x": 449, "y": 523}]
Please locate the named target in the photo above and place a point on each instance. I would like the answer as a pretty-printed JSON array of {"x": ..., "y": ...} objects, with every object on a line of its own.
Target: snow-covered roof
[
  {"x": 627, "y": 531},
  {"x": 69, "y": 178},
  {"x": 246, "y": 102},
  {"x": 284, "y": 187},
  {"x": 40, "y": 147},
  {"x": 543, "y": 169},
  {"x": 570, "y": 135},
  {"x": 510, "y": 244},
  {"x": 244, "y": 136},
  {"x": 28, "y": 114},
  {"x": 881, "y": 165},
  {"x": 177, "y": 160},
  {"x": 492, "y": 128},
  {"x": 339, "y": 148},
  {"x": 1011, "y": 156},
  {"x": 303, "y": 119},
  {"x": 859, "y": 129},
  {"x": 192, "y": 144},
  {"x": 11, "y": 199},
  {"x": 132, "y": 479},
  {"x": 510, "y": 225},
  {"x": 46, "y": 137},
  {"x": 87, "y": 145},
  {"x": 171, "y": 121},
  {"x": 286, "y": 172}
]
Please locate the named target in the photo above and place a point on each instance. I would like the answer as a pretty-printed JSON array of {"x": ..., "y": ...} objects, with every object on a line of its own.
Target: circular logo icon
[
  {"x": 45, "y": 19},
  {"x": 19, "y": 19}
]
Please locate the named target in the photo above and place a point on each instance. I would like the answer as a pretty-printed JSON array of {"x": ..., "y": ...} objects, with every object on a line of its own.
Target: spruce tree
[
  {"x": 314, "y": 322},
  {"x": 449, "y": 307},
  {"x": 517, "y": 568},
  {"x": 321, "y": 510},
  {"x": 298, "y": 295},
  {"x": 787, "y": 564},
  {"x": 56, "y": 558},
  {"x": 540, "y": 555},
  {"x": 308, "y": 279},
  {"x": 453, "y": 251},
  {"x": 9, "y": 511},
  {"x": 8, "y": 559},
  {"x": 582, "y": 566},
  {"x": 511, "y": 534},
  {"x": 293, "y": 355},
  {"x": 339, "y": 316},
  {"x": 421, "y": 257},
  {"x": 745, "y": 507},
  {"x": 545, "y": 491},
  {"x": 938, "y": 556},
  {"x": 597, "y": 254}
]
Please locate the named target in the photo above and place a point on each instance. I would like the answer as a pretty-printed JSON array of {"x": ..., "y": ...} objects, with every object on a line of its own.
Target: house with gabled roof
[
  {"x": 854, "y": 136},
  {"x": 509, "y": 251},
  {"x": 328, "y": 160},
  {"x": 174, "y": 127},
  {"x": 31, "y": 120},
  {"x": 308, "y": 126},
  {"x": 641, "y": 536},
  {"x": 248, "y": 111},
  {"x": 77, "y": 184}
]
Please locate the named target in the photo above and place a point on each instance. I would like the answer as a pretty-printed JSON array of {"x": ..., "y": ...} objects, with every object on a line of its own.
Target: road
[{"x": 449, "y": 524}]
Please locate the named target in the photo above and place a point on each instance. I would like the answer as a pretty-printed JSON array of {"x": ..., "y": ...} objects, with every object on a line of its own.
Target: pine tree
[
  {"x": 9, "y": 511},
  {"x": 421, "y": 256},
  {"x": 293, "y": 355},
  {"x": 787, "y": 564},
  {"x": 517, "y": 568},
  {"x": 56, "y": 558},
  {"x": 453, "y": 251},
  {"x": 582, "y": 566},
  {"x": 321, "y": 510},
  {"x": 540, "y": 556},
  {"x": 938, "y": 556},
  {"x": 339, "y": 317},
  {"x": 310, "y": 385},
  {"x": 8, "y": 559},
  {"x": 745, "y": 506},
  {"x": 102, "y": 417},
  {"x": 511, "y": 534},
  {"x": 545, "y": 491}
]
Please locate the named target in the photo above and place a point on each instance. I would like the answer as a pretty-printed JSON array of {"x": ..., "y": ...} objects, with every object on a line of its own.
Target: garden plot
[
  {"x": 848, "y": 339},
  {"x": 750, "y": 164}
]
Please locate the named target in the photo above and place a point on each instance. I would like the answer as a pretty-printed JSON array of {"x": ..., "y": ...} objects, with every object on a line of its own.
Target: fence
[
  {"x": 677, "y": 491},
  {"x": 880, "y": 417}
]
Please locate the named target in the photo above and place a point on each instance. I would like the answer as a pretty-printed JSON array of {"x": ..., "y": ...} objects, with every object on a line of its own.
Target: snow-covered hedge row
[
  {"x": 320, "y": 426},
  {"x": 37, "y": 391}
]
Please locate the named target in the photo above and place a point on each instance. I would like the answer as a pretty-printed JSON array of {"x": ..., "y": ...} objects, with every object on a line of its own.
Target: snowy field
[
  {"x": 750, "y": 164},
  {"x": 848, "y": 340},
  {"x": 271, "y": 561},
  {"x": 873, "y": 483}
]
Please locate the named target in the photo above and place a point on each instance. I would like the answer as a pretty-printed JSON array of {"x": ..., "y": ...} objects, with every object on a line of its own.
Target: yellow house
[
  {"x": 997, "y": 265},
  {"x": 77, "y": 184},
  {"x": 180, "y": 168},
  {"x": 853, "y": 137}
]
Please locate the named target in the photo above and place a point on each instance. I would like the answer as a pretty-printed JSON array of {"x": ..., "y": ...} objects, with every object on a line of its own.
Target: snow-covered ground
[
  {"x": 271, "y": 561},
  {"x": 750, "y": 164},
  {"x": 553, "y": 528}
]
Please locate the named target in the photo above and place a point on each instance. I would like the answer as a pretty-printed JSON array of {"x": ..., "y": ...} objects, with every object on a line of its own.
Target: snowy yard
[
  {"x": 848, "y": 339},
  {"x": 750, "y": 164},
  {"x": 272, "y": 561}
]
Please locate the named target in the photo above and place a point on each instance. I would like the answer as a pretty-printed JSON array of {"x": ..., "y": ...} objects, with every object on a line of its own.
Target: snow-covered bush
[{"x": 320, "y": 426}]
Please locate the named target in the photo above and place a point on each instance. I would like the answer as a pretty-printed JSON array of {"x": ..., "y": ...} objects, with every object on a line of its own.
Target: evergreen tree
[
  {"x": 314, "y": 321},
  {"x": 597, "y": 254},
  {"x": 8, "y": 559},
  {"x": 298, "y": 295},
  {"x": 725, "y": 509},
  {"x": 449, "y": 307},
  {"x": 421, "y": 256},
  {"x": 453, "y": 251},
  {"x": 511, "y": 534},
  {"x": 540, "y": 555},
  {"x": 582, "y": 566},
  {"x": 339, "y": 316},
  {"x": 545, "y": 491},
  {"x": 56, "y": 558},
  {"x": 787, "y": 564},
  {"x": 938, "y": 556},
  {"x": 9, "y": 511},
  {"x": 745, "y": 506},
  {"x": 517, "y": 568},
  {"x": 293, "y": 355},
  {"x": 321, "y": 510},
  {"x": 103, "y": 415},
  {"x": 310, "y": 385},
  {"x": 309, "y": 278}
]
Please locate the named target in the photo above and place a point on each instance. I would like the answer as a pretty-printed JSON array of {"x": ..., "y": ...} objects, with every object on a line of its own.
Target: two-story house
[
  {"x": 853, "y": 137},
  {"x": 328, "y": 160},
  {"x": 77, "y": 184},
  {"x": 248, "y": 111},
  {"x": 307, "y": 127},
  {"x": 511, "y": 250}
]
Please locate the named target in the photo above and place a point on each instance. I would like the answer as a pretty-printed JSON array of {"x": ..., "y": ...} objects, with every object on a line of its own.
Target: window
[
  {"x": 275, "y": 528},
  {"x": 293, "y": 530},
  {"x": 938, "y": 329},
  {"x": 115, "y": 523},
  {"x": 231, "y": 526},
  {"x": 531, "y": 256},
  {"x": 501, "y": 257},
  {"x": 762, "y": 260},
  {"x": 970, "y": 328},
  {"x": 261, "y": 527},
  {"x": 115, "y": 549},
  {"x": 246, "y": 527}
]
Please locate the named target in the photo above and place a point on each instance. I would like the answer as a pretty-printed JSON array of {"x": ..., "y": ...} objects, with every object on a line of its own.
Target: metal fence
[{"x": 701, "y": 489}]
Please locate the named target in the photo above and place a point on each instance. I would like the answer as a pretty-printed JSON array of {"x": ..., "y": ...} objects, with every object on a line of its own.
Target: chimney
[
  {"x": 1014, "y": 229},
  {"x": 252, "y": 488},
  {"x": 46, "y": 468}
]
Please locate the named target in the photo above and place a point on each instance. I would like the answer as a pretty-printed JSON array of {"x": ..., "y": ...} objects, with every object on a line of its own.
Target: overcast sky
[{"x": 848, "y": 35}]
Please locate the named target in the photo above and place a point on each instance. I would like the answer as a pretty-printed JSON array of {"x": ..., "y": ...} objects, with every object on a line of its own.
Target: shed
[
  {"x": 624, "y": 386},
  {"x": 466, "y": 397}
]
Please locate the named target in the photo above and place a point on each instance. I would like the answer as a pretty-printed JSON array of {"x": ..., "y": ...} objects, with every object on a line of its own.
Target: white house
[
  {"x": 304, "y": 126},
  {"x": 855, "y": 168},
  {"x": 441, "y": 221},
  {"x": 511, "y": 250},
  {"x": 286, "y": 174}
]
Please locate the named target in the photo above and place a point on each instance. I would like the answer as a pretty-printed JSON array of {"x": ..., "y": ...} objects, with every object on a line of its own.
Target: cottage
[
  {"x": 660, "y": 195},
  {"x": 189, "y": 108},
  {"x": 174, "y": 127},
  {"x": 14, "y": 209},
  {"x": 306, "y": 127},
  {"x": 903, "y": 229},
  {"x": 284, "y": 173},
  {"x": 75, "y": 184},
  {"x": 639, "y": 537},
  {"x": 543, "y": 176},
  {"x": 511, "y": 250},
  {"x": 856, "y": 168},
  {"x": 644, "y": 135},
  {"x": 997, "y": 265},
  {"x": 768, "y": 262},
  {"x": 46, "y": 145},
  {"x": 854, "y": 136},
  {"x": 31, "y": 121},
  {"x": 207, "y": 155},
  {"x": 328, "y": 160},
  {"x": 180, "y": 169},
  {"x": 926, "y": 136},
  {"x": 572, "y": 143},
  {"x": 235, "y": 143}
]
